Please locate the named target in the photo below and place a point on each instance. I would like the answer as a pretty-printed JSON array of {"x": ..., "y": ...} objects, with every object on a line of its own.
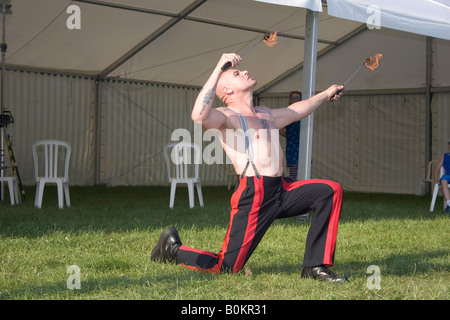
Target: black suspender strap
[{"x": 248, "y": 146}]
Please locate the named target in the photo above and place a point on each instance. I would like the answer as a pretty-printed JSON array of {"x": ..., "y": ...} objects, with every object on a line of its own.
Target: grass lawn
[{"x": 109, "y": 234}]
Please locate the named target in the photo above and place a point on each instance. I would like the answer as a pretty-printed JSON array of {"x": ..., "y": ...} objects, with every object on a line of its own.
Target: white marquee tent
[{"x": 116, "y": 78}]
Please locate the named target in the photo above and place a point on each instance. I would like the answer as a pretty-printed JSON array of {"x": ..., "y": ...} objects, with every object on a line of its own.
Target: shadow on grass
[
  {"x": 144, "y": 287},
  {"x": 120, "y": 209},
  {"x": 146, "y": 208},
  {"x": 113, "y": 210},
  {"x": 396, "y": 265},
  {"x": 111, "y": 287}
]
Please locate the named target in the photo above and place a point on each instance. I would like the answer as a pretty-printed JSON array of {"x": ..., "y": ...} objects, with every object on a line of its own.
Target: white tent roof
[{"x": 170, "y": 41}]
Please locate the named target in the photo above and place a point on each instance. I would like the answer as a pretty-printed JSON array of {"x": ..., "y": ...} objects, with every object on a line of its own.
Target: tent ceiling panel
[
  {"x": 190, "y": 50},
  {"x": 426, "y": 17},
  {"x": 333, "y": 29},
  {"x": 192, "y": 47},
  {"x": 398, "y": 68},
  {"x": 171, "y": 6},
  {"x": 39, "y": 36},
  {"x": 250, "y": 14},
  {"x": 155, "y": 41},
  {"x": 288, "y": 21},
  {"x": 179, "y": 52}
]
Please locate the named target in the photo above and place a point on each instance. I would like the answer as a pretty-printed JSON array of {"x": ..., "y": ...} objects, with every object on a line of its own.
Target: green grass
[{"x": 109, "y": 234}]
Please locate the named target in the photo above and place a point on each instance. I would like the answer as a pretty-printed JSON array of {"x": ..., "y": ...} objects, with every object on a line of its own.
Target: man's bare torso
[{"x": 264, "y": 142}]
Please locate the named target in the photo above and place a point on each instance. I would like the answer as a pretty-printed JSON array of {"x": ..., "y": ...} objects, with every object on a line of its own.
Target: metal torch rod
[
  {"x": 351, "y": 77},
  {"x": 354, "y": 73},
  {"x": 228, "y": 64}
]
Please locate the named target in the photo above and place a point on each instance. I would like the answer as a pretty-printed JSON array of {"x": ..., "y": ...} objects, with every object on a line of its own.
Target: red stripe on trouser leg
[
  {"x": 251, "y": 224},
  {"x": 234, "y": 209},
  {"x": 203, "y": 252},
  {"x": 330, "y": 243},
  {"x": 249, "y": 220},
  {"x": 200, "y": 260}
]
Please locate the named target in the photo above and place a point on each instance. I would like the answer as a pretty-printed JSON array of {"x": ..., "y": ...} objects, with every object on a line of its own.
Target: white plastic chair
[
  {"x": 429, "y": 178},
  {"x": 436, "y": 191},
  {"x": 13, "y": 189},
  {"x": 51, "y": 165},
  {"x": 178, "y": 156}
]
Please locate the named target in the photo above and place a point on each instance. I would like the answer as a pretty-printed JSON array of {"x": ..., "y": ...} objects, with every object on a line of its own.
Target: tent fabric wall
[
  {"x": 382, "y": 148},
  {"x": 440, "y": 131},
  {"x": 136, "y": 123},
  {"x": 48, "y": 106},
  {"x": 441, "y": 70},
  {"x": 138, "y": 119},
  {"x": 371, "y": 140},
  {"x": 370, "y": 143}
]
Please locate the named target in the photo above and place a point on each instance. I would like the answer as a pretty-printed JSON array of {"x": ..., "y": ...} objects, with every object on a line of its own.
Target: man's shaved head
[{"x": 233, "y": 81}]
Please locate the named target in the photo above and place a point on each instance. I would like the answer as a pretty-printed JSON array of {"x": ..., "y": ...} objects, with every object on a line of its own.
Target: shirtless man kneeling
[{"x": 261, "y": 194}]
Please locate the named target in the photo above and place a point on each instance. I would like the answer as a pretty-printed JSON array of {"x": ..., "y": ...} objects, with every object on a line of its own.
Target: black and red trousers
[{"x": 255, "y": 204}]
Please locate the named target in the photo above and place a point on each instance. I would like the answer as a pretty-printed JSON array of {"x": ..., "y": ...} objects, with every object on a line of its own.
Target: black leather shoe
[
  {"x": 322, "y": 273},
  {"x": 167, "y": 247}
]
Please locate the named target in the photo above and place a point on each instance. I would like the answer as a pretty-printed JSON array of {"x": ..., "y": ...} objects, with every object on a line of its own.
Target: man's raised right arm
[{"x": 203, "y": 113}]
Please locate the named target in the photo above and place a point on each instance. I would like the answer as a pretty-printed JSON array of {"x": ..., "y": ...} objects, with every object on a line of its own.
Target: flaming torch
[
  {"x": 370, "y": 62},
  {"x": 270, "y": 39}
]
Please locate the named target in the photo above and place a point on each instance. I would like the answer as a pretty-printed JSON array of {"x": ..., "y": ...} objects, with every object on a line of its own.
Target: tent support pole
[
  {"x": 97, "y": 130},
  {"x": 428, "y": 75},
  {"x": 308, "y": 90}
]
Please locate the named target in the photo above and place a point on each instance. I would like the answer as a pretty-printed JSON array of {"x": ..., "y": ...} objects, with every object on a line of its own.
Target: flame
[
  {"x": 270, "y": 39},
  {"x": 372, "y": 62}
]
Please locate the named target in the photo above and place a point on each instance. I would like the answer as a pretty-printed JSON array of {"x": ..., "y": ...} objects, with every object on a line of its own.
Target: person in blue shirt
[
  {"x": 445, "y": 179},
  {"x": 292, "y": 134}
]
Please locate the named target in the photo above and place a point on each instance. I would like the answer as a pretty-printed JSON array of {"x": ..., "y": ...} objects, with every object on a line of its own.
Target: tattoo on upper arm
[
  {"x": 209, "y": 96},
  {"x": 207, "y": 99},
  {"x": 203, "y": 109}
]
